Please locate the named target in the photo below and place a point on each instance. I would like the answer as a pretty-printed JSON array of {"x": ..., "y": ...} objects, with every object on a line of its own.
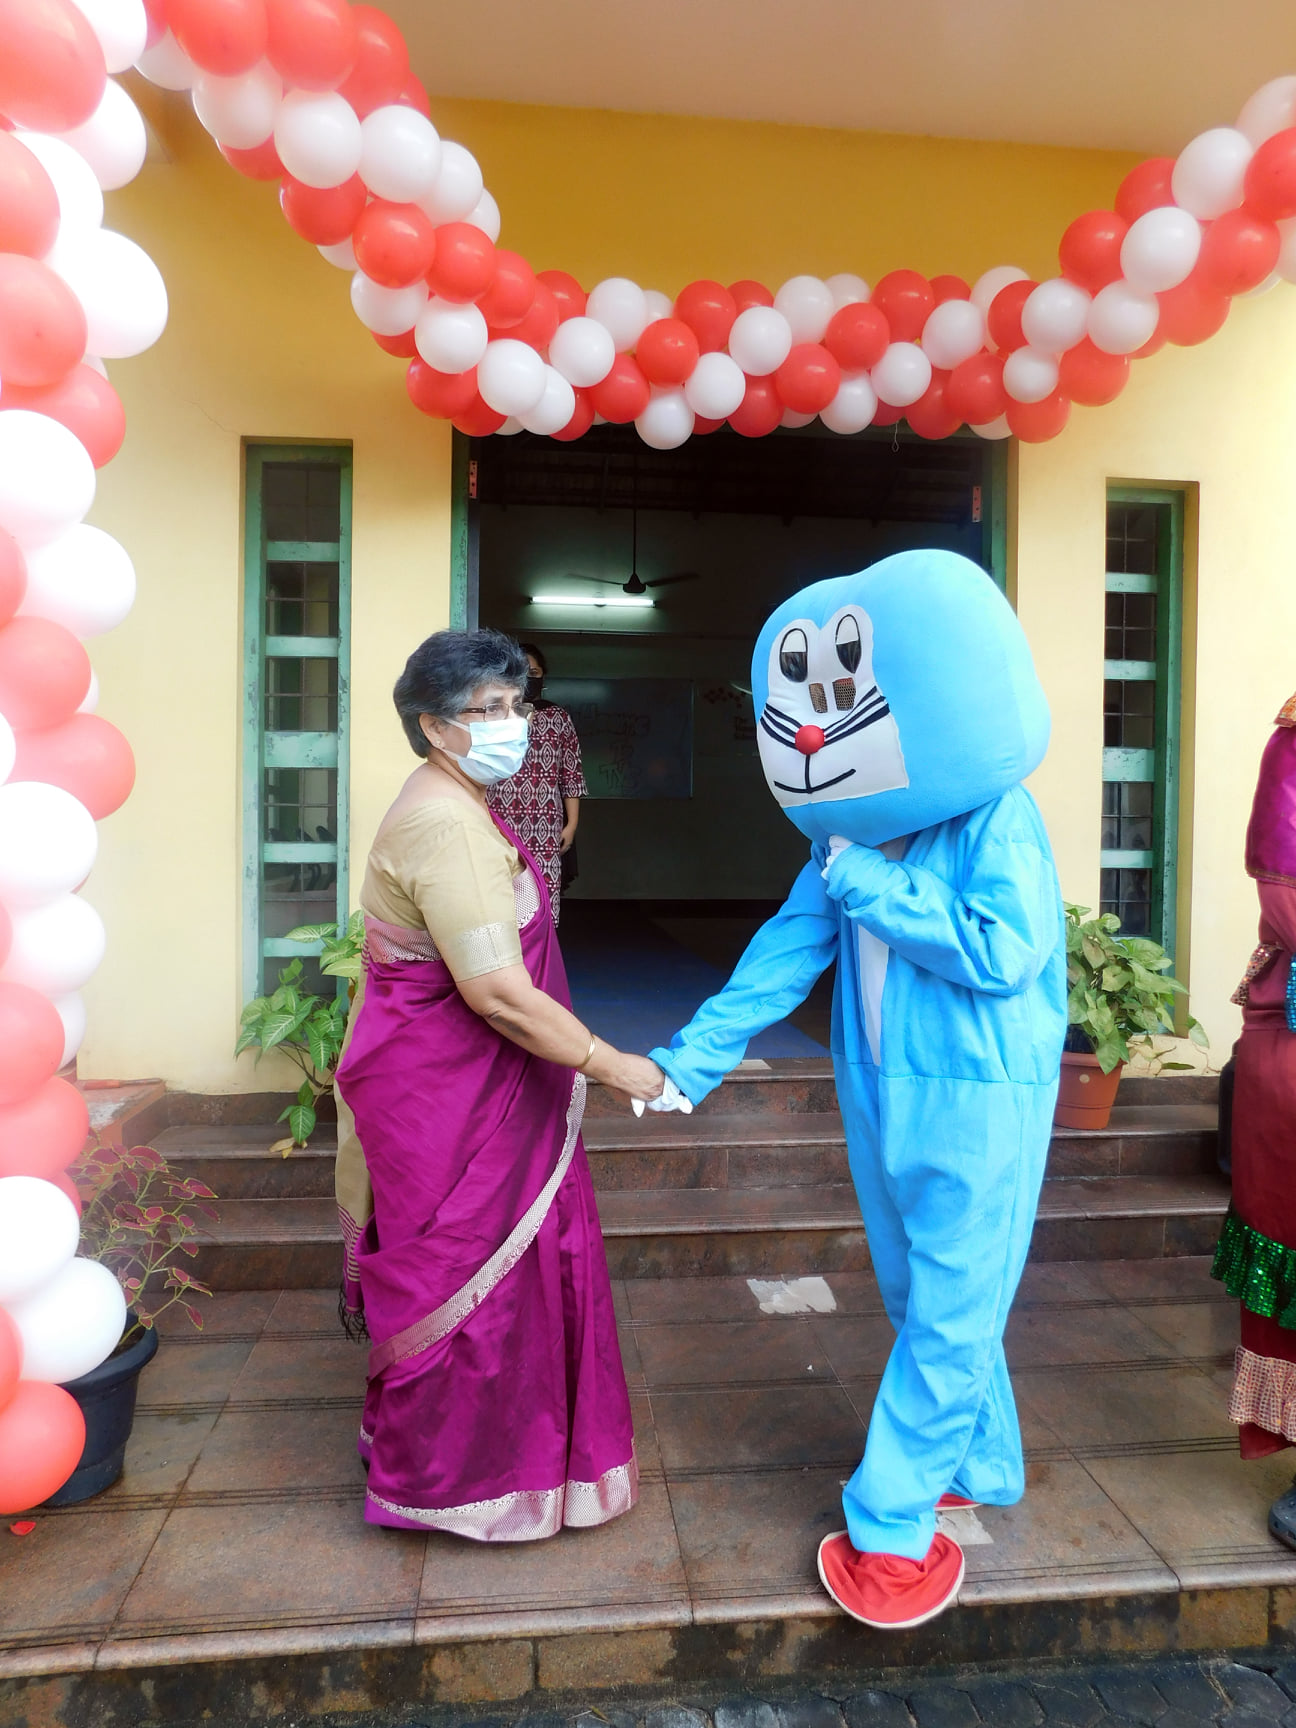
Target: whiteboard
[{"x": 636, "y": 734}]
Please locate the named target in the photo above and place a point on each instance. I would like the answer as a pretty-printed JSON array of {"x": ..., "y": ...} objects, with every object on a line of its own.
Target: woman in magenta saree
[{"x": 497, "y": 1405}]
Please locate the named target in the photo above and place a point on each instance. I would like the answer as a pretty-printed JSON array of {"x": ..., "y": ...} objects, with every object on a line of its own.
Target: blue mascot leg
[{"x": 857, "y": 1093}]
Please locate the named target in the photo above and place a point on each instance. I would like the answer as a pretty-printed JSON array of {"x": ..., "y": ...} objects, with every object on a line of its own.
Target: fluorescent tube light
[{"x": 639, "y": 600}]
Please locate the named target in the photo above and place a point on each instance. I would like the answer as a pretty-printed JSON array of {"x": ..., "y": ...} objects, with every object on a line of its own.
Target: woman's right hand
[{"x": 635, "y": 1076}]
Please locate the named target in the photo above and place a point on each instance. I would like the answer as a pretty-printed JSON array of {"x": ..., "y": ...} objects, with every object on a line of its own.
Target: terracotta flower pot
[{"x": 1086, "y": 1094}]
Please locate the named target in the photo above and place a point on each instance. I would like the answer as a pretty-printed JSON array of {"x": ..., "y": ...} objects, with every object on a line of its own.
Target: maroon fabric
[
  {"x": 1271, "y": 834},
  {"x": 1264, "y": 1337},
  {"x": 531, "y": 803}
]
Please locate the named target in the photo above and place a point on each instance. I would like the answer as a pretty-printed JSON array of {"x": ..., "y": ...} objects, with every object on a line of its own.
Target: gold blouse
[{"x": 447, "y": 868}]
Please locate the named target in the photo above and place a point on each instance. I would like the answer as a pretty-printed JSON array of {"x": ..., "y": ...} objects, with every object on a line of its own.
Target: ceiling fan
[{"x": 635, "y": 583}]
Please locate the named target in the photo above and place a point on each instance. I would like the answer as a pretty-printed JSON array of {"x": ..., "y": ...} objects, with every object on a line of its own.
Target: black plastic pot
[{"x": 107, "y": 1399}]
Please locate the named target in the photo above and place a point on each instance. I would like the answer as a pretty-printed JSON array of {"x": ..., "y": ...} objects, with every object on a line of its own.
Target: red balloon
[
  {"x": 42, "y": 326},
  {"x": 701, "y": 425},
  {"x": 975, "y": 391},
  {"x": 381, "y": 63},
  {"x": 43, "y": 1134},
  {"x": 624, "y": 394},
  {"x": 443, "y": 394},
  {"x": 464, "y": 266},
  {"x": 568, "y": 294},
  {"x": 667, "y": 351},
  {"x": 311, "y": 43},
  {"x": 44, "y": 673},
  {"x": 29, "y": 207},
  {"x": 52, "y": 72},
  {"x": 538, "y": 327},
  {"x": 1037, "y": 422},
  {"x": 709, "y": 311},
  {"x": 155, "y": 13},
  {"x": 857, "y": 336},
  {"x": 1089, "y": 251},
  {"x": 905, "y": 299},
  {"x": 13, "y": 576},
  {"x": 323, "y": 216},
  {"x": 1145, "y": 188},
  {"x": 886, "y": 415},
  {"x": 395, "y": 244},
  {"x": 747, "y": 294},
  {"x": 808, "y": 379},
  {"x": 87, "y": 756},
  {"x": 31, "y": 1042},
  {"x": 42, "y": 1437},
  {"x": 932, "y": 415},
  {"x": 403, "y": 346},
  {"x": 1269, "y": 189},
  {"x": 760, "y": 410},
  {"x": 511, "y": 295},
  {"x": 10, "y": 1358},
  {"x": 261, "y": 162},
  {"x": 1003, "y": 320},
  {"x": 581, "y": 421},
  {"x": 1191, "y": 312},
  {"x": 479, "y": 421},
  {"x": 950, "y": 288},
  {"x": 85, "y": 402},
  {"x": 1238, "y": 251},
  {"x": 222, "y": 36},
  {"x": 1156, "y": 341},
  {"x": 69, "y": 1187},
  {"x": 413, "y": 95},
  {"x": 1087, "y": 375},
  {"x": 6, "y": 935}
]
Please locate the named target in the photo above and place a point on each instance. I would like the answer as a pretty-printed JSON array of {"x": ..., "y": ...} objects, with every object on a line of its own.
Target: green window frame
[
  {"x": 1141, "y": 709},
  {"x": 298, "y": 676}
]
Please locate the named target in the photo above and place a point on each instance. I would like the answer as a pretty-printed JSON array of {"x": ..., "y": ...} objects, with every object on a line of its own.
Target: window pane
[
  {"x": 300, "y": 804},
  {"x": 298, "y": 894},
  {"x": 301, "y": 600},
  {"x": 1127, "y": 816},
  {"x": 301, "y": 501},
  {"x": 1129, "y": 714},
  {"x": 1131, "y": 627},
  {"x": 1128, "y": 893},
  {"x": 301, "y": 695},
  {"x": 1132, "y": 538}
]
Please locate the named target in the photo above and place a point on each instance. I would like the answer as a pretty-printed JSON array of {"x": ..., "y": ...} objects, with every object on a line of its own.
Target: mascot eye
[
  {"x": 849, "y": 651},
  {"x": 794, "y": 656}
]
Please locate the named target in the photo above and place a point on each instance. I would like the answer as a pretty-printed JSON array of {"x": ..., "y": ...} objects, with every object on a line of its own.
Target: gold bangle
[{"x": 582, "y": 1066}]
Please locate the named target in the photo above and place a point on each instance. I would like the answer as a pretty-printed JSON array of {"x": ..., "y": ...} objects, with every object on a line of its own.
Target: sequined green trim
[{"x": 1260, "y": 1272}]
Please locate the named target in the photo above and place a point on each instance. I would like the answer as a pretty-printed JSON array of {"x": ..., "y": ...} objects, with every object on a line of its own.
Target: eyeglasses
[{"x": 498, "y": 711}]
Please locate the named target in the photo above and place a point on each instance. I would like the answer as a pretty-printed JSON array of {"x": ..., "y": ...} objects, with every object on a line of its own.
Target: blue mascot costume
[{"x": 899, "y": 711}]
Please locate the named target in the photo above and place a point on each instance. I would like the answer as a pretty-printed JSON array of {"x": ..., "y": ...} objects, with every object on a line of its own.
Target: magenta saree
[{"x": 497, "y": 1405}]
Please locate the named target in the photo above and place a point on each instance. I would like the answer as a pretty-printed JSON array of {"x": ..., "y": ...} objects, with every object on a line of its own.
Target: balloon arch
[{"x": 317, "y": 95}]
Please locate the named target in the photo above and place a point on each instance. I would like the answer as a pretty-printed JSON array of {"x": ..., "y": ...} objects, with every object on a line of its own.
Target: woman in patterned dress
[{"x": 541, "y": 803}]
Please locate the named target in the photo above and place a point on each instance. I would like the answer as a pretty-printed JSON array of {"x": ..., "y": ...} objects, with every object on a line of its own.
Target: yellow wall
[{"x": 262, "y": 344}]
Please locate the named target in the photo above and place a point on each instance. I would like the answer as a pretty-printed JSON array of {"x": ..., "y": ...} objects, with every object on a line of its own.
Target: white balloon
[
  {"x": 854, "y": 405},
  {"x": 555, "y": 407},
  {"x": 457, "y": 187},
  {"x": 715, "y": 387},
  {"x": 847, "y": 290},
  {"x": 1271, "y": 281},
  {"x": 485, "y": 215},
  {"x": 47, "y": 480},
  {"x": 400, "y": 153},
  {"x": 582, "y": 349},
  {"x": 95, "y": 364},
  {"x": 112, "y": 141},
  {"x": 1121, "y": 320},
  {"x": 387, "y": 311},
  {"x": 808, "y": 305},
  {"x": 119, "y": 286},
  {"x": 240, "y": 112},
  {"x": 1160, "y": 249},
  {"x": 168, "y": 66},
  {"x": 760, "y": 340},
  {"x": 90, "y": 701},
  {"x": 317, "y": 135},
  {"x": 39, "y": 1230},
  {"x": 1029, "y": 375},
  {"x": 993, "y": 282},
  {"x": 84, "y": 580},
  {"x": 511, "y": 377},
  {"x": 1055, "y": 317},
  {"x": 48, "y": 843},
  {"x": 80, "y": 195},
  {"x": 667, "y": 421},
  {"x": 342, "y": 255},
  {"x": 1207, "y": 178},
  {"x": 8, "y": 749},
  {"x": 659, "y": 305},
  {"x": 901, "y": 375},
  {"x": 121, "y": 27},
  {"x": 56, "y": 947},
  {"x": 71, "y": 1324},
  {"x": 449, "y": 336},
  {"x": 72, "y": 1012},
  {"x": 621, "y": 307},
  {"x": 994, "y": 429},
  {"x": 954, "y": 332},
  {"x": 796, "y": 420},
  {"x": 1272, "y": 109},
  {"x": 1287, "y": 251},
  {"x": 510, "y": 429}
]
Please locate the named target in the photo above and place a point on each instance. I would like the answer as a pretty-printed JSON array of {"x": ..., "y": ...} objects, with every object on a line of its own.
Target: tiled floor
[{"x": 237, "y": 1526}]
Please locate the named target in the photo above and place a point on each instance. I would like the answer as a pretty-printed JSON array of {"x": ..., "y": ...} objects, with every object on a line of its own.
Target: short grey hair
[{"x": 442, "y": 673}]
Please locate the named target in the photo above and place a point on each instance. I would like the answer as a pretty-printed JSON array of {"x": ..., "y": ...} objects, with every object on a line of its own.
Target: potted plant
[
  {"x": 309, "y": 1029},
  {"x": 137, "y": 1218},
  {"x": 1119, "y": 1003}
]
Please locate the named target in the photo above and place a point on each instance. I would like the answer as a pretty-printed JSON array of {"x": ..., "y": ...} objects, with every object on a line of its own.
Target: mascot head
[{"x": 895, "y": 699}]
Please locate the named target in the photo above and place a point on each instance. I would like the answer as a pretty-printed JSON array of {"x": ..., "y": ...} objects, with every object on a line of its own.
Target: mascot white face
[{"x": 827, "y": 731}]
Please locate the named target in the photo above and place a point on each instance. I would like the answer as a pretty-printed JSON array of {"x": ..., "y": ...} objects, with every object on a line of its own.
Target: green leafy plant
[
  {"x": 309, "y": 1029},
  {"x": 1120, "y": 997},
  {"x": 137, "y": 1218}
]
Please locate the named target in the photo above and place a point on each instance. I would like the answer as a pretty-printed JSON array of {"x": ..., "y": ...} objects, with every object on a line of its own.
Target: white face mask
[{"x": 497, "y": 751}]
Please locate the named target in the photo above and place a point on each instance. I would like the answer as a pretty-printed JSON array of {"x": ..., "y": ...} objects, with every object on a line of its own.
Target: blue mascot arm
[
  {"x": 995, "y": 933},
  {"x": 774, "y": 976}
]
